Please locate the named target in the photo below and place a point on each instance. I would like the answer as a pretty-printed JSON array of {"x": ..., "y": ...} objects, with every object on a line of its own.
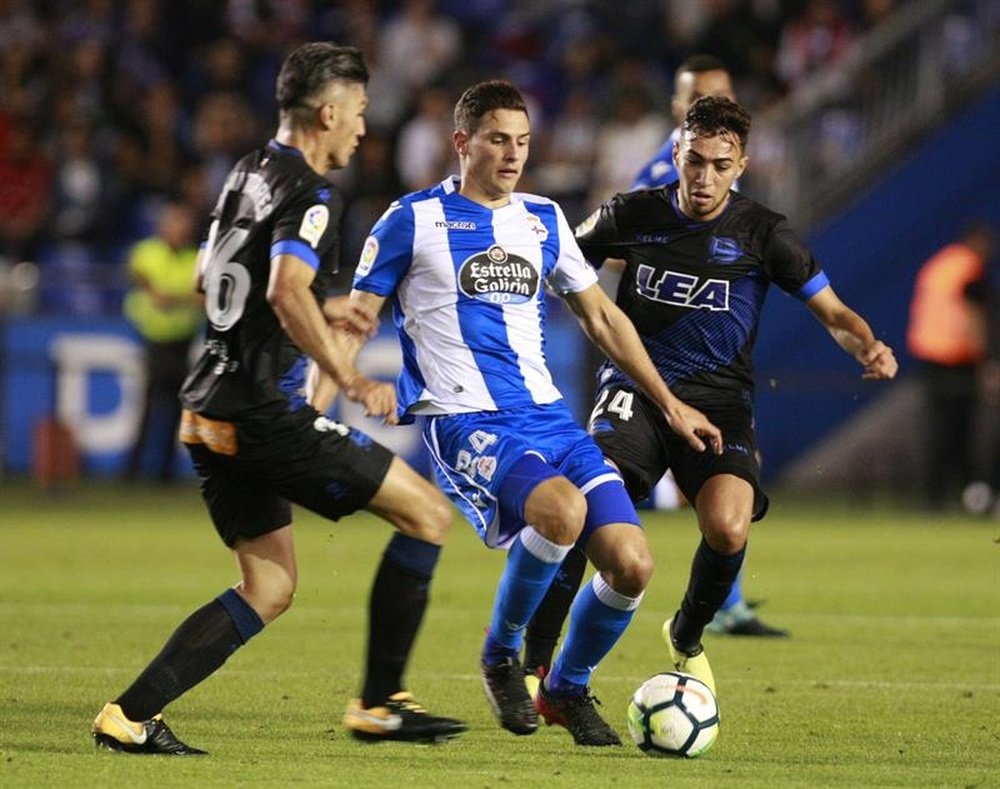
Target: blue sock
[
  {"x": 735, "y": 593},
  {"x": 532, "y": 563},
  {"x": 597, "y": 620}
]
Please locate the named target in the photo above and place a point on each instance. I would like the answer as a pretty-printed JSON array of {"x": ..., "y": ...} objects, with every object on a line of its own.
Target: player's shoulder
[
  {"x": 640, "y": 204},
  {"x": 745, "y": 208},
  {"x": 529, "y": 198}
]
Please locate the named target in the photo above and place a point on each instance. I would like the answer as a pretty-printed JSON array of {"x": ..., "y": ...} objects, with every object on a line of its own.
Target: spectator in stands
[
  {"x": 26, "y": 175},
  {"x": 821, "y": 35},
  {"x": 946, "y": 334},
  {"x": 165, "y": 310}
]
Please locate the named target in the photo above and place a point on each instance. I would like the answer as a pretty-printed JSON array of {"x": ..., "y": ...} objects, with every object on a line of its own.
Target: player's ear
[
  {"x": 328, "y": 114},
  {"x": 460, "y": 140},
  {"x": 742, "y": 165}
]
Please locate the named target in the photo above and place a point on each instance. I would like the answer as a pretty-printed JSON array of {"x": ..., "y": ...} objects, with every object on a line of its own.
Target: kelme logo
[{"x": 497, "y": 277}]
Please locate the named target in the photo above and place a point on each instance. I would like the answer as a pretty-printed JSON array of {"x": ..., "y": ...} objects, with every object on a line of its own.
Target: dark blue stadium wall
[{"x": 806, "y": 385}]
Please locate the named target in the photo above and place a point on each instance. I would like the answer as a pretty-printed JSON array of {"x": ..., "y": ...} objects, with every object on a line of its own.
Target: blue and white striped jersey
[{"x": 468, "y": 296}]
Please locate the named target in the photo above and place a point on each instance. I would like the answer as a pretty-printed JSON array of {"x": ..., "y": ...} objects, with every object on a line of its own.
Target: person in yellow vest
[
  {"x": 947, "y": 335},
  {"x": 167, "y": 313}
]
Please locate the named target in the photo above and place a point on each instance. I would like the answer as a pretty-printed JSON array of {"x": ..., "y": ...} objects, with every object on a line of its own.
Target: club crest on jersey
[
  {"x": 724, "y": 250},
  {"x": 314, "y": 223},
  {"x": 498, "y": 277},
  {"x": 682, "y": 290},
  {"x": 537, "y": 227}
]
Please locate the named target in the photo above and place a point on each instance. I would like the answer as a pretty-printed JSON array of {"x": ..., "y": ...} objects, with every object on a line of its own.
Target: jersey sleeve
[
  {"x": 571, "y": 273},
  {"x": 790, "y": 264},
  {"x": 598, "y": 235},
  {"x": 387, "y": 253},
  {"x": 659, "y": 170},
  {"x": 309, "y": 228}
]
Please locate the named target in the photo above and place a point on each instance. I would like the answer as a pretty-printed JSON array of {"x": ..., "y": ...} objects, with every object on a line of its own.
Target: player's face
[
  {"x": 346, "y": 125},
  {"x": 493, "y": 157},
  {"x": 707, "y": 167},
  {"x": 691, "y": 86}
]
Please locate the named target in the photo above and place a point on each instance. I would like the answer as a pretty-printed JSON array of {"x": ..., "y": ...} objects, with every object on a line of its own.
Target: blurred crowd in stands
[{"x": 112, "y": 108}]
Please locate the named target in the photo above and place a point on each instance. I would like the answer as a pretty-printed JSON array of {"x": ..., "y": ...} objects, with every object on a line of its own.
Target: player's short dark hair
[
  {"x": 713, "y": 115},
  {"x": 484, "y": 97},
  {"x": 308, "y": 69},
  {"x": 696, "y": 64}
]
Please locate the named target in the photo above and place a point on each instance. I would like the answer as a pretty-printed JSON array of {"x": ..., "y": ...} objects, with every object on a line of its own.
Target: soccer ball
[{"x": 673, "y": 714}]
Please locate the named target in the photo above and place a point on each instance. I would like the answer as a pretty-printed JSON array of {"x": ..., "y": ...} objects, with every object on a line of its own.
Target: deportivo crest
[
  {"x": 537, "y": 227},
  {"x": 498, "y": 277},
  {"x": 314, "y": 223}
]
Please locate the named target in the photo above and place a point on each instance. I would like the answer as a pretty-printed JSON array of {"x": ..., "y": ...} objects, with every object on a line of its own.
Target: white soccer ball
[{"x": 673, "y": 714}]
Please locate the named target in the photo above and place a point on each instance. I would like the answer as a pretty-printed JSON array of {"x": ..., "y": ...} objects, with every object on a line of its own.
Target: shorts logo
[
  {"x": 497, "y": 277},
  {"x": 314, "y": 223},
  {"x": 325, "y": 425},
  {"x": 368, "y": 255},
  {"x": 536, "y": 226}
]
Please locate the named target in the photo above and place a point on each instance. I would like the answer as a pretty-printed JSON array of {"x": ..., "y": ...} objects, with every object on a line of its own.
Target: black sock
[
  {"x": 712, "y": 576},
  {"x": 546, "y": 624},
  {"x": 196, "y": 649},
  {"x": 395, "y": 610}
]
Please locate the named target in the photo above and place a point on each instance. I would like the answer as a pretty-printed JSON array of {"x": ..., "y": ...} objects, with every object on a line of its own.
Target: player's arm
[
  {"x": 611, "y": 330},
  {"x": 333, "y": 348},
  {"x": 852, "y": 333},
  {"x": 360, "y": 323}
]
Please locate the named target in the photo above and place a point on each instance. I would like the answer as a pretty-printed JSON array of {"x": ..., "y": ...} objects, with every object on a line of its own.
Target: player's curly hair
[
  {"x": 713, "y": 115},
  {"x": 484, "y": 97},
  {"x": 308, "y": 69}
]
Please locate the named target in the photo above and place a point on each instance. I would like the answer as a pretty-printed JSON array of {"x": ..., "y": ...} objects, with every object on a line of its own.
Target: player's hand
[
  {"x": 378, "y": 398},
  {"x": 694, "y": 427},
  {"x": 879, "y": 361},
  {"x": 341, "y": 313}
]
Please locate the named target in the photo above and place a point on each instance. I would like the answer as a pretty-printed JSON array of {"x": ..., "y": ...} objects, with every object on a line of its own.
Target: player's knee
[
  {"x": 270, "y": 597},
  {"x": 727, "y": 535},
  {"x": 434, "y": 519},
  {"x": 558, "y": 512},
  {"x": 631, "y": 570}
]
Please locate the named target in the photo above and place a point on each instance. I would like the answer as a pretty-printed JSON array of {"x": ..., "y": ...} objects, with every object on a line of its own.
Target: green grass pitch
[{"x": 891, "y": 678}]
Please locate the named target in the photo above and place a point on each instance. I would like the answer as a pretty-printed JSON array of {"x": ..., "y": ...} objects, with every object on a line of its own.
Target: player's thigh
[
  {"x": 628, "y": 429},
  {"x": 241, "y": 505},
  {"x": 412, "y": 504},
  {"x": 323, "y": 465},
  {"x": 693, "y": 470}
]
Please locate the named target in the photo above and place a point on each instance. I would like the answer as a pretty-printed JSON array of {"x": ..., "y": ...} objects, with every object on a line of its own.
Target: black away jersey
[
  {"x": 272, "y": 203},
  {"x": 694, "y": 290}
]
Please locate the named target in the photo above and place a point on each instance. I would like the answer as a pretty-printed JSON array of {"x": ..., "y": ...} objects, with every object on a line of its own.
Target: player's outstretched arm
[
  {"x": 360, "y": 323},
  {"x": 852, "y": 333},
  {"x": 611, "y": 330},
  {"x": 333, "y": 350}
]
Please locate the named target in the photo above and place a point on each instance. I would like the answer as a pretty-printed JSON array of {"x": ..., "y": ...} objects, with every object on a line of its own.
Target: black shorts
[
  {"x": 633, "y": 433},
  {"x": 250, "y": 470}
]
